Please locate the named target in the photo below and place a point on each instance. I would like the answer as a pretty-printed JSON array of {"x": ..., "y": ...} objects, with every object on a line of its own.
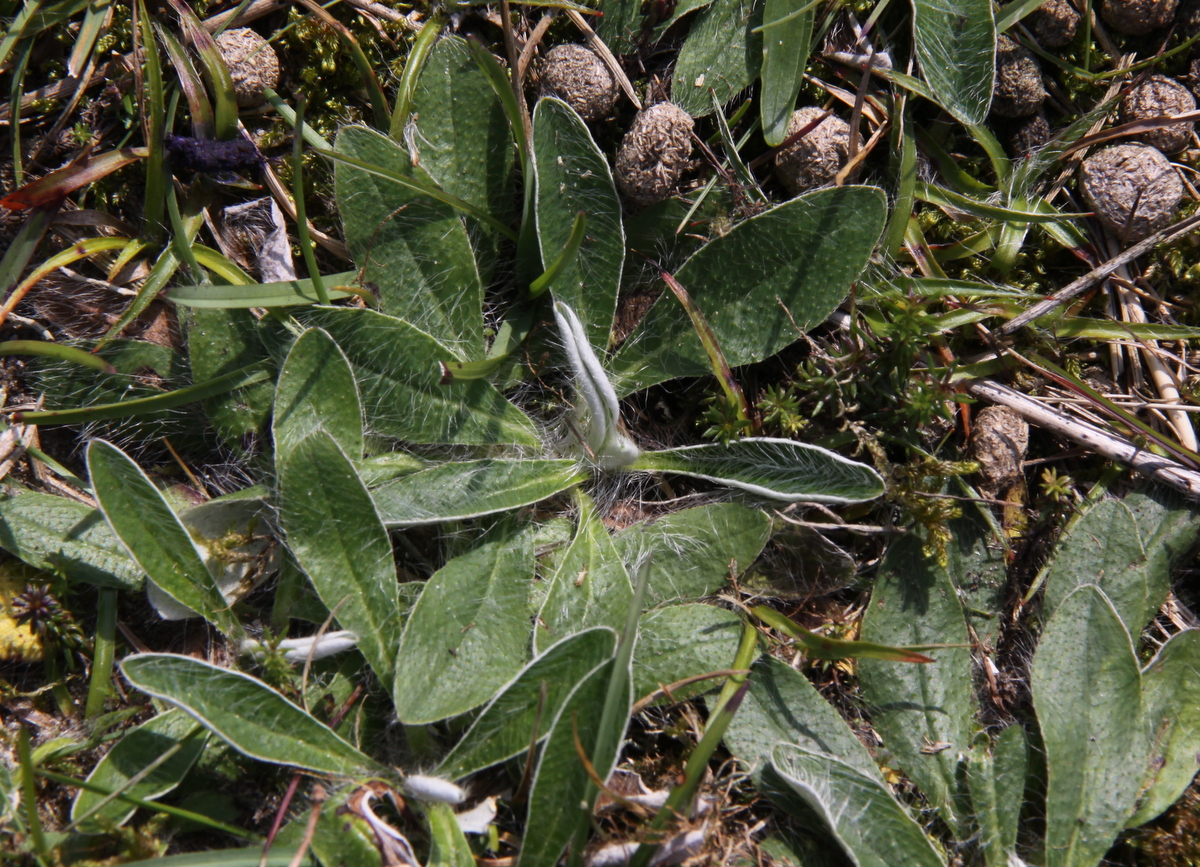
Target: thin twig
[
  {"x": 1090, "y": 279},
  {"x": 530, "y": 46},
  {"x": 1113, "y": 447},
  {"x": 597, "y": 45}
]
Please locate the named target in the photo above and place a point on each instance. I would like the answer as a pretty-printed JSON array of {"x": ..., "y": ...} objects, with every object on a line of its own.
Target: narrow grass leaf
[
  {"x": 763, "y": 283},
  {"x": 1087, "y": 691},
  {"x": 160, "y": 274},
  {"x": 459, "y": 490},
  {"x": 21, "y": 248},
  {"x": 564, "y": 260},
  {"x": 339, "y": 541},
  {"x": 414, "y": 65},
  {"x": 904, "y": 172},
  {"x": 955, "y": 43},
  {"x": 251, "y": 856},
  {"x": 62, "y": 182},
  {"x": 823, "y": 647},
  {"x": 199, "y": 106},
  {"x": 1100, "y": 329},
  {"x": 915, "y": 706},
  {"x": 288, "y": 294},
  {"x": 129, "y": 757},
  {"x": 146, "y": 406},
  {"x": 397, "y": 368},
  {"x": 470, "y": 628},
  {"x": 66, "y": 537},
  {"x": 246, "y": 713},
  {"x": 216, "y": 73},
  {"x": 775, "y": 469},
  {"x": 873, "y": 829},
  {"x": 953, "y": 201},
  {"x": 573, "y": 177},
  {"x": 154, "y": 537},
  {"x": 505, "y": 727},
  {"x": 316, "y": 389}
]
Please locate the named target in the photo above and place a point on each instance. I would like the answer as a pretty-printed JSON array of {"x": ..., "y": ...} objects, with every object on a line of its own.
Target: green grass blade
[
  {"x": 287, "y": 294},
  {"x": 413, "y": 64},
  {"x": 146, "y": 405}
]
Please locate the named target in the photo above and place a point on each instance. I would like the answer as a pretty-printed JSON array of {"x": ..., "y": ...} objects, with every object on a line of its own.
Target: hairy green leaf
[
  {"x": 448, "y": 847},
  {"x": 785, "y": 53},
  {"x": 1171, "y": 687},
  {"x": 457, "y": 490},
  {"x": 506, "y": 726},
  {"x": 858, "y": 808},
  {"x": 923, "y": 713},
  {"x": 776, "y": 469},
  {"x": 996, "y": 780},
  {"x": 681, "y": 641},
  {"x": 58, "y": 535},
  {"x": 621, "y": 25},
  {"x": 137, "y": 749},
  {"x": 154, "y": 537},
  {"x": 220, "y": 343},
  {"x": 590, "y": 587},
  {"x": 468, "y": 634},
  {"x": 338, "y": 539},
  {"x": 956, "y": 46},
  {"x": 1128, "y": 549},
  {"x": 782, "y": 707},
  {"x": 316, "y": 390},
  {"x": 557, "y": 805},
  {"x": 761, "y": 284},
  {"x": 1087, "y": 691},
  {"x": 396, "y": 366},
  {"x": 694, "y": 551},
  {"x": 721, "y": 53},
  {"x": 454, "y": 104},
  {"x": 246, "y": 713},
  {"x": 414, "y": 249},
  {"x": 573, "y": 176}
]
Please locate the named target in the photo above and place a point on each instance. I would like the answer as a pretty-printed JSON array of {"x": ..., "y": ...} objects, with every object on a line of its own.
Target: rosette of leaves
[
  {"x": 1120, "y": 733},
  {"x": 341, "y": 385}
]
